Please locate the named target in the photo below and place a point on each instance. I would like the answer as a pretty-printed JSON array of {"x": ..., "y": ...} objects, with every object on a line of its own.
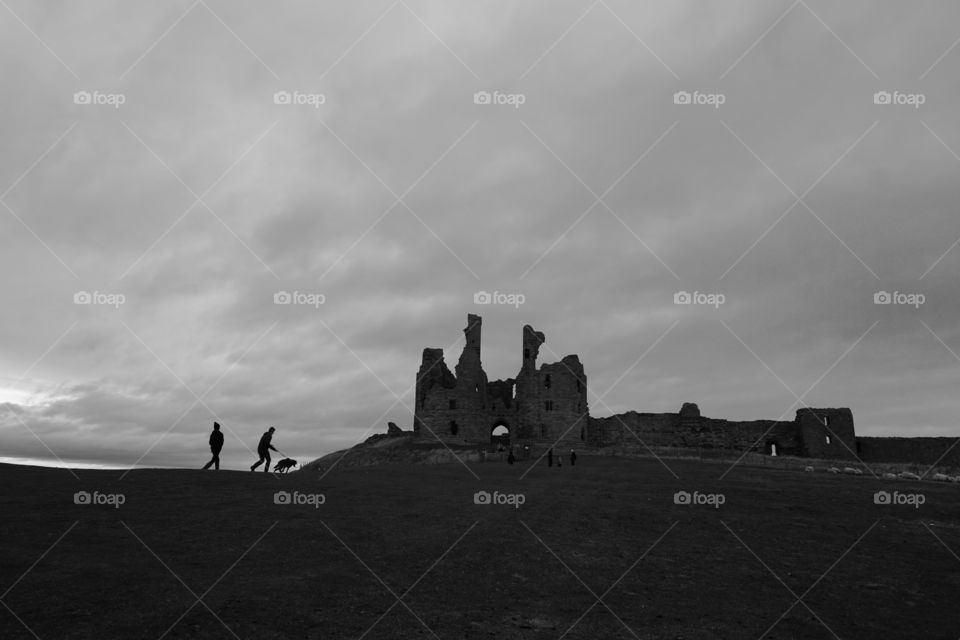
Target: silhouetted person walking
[
  {"x": 550, "y": 458},
  {"x": 216, "y": 444},
  {"x": 573, "y": 457},
  {"x": 263, "y": 450},
  {"x": 510, "y": 458}
]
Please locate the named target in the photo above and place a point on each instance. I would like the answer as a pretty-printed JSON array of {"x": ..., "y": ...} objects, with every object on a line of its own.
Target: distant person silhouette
[
  {"x": 216, "y": 444},
  {"x": 573, "y": 457},
  {"x": 550, "y": 458},
  {"x": 510, "y": 458},
  {"x": 263, "y": 450}
]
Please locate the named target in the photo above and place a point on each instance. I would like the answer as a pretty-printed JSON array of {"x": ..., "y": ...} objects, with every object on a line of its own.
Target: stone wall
[
  {"x": 539, "y": 405},
  {"x": 827, "y": 433},
  {"x": 806, "y": 435},
  {"x": 549, "y": 404},
  {"x": 693, "y": 431},
  {"x": 917, "y": 450}
]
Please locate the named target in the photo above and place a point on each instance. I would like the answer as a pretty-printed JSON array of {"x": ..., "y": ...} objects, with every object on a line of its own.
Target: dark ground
[{"x": 265, "y": 570}]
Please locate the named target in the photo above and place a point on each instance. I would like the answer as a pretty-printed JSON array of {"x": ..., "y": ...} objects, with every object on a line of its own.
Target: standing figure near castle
[
  {"x": 263, "y": 450},
  {"x": 216, "y": 445}
]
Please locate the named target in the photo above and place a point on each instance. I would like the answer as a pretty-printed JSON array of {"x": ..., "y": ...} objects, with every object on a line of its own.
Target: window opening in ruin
[
  {"x": 546, "y": 381},
  {"x": 773, "y": 449},
  {"x": 453, "y": 404},
  {"x": 828, "y": 439},
  {"x": 453, "y": 427}
]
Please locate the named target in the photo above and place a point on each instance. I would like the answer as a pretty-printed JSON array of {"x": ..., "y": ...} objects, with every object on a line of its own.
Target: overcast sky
[{"x": 186, "y": 193}]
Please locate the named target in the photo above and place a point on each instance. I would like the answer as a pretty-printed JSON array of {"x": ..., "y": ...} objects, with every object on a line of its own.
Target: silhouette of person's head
[
  {"x": 216, "y": 426},
  {"x": 271, "y": 429}
]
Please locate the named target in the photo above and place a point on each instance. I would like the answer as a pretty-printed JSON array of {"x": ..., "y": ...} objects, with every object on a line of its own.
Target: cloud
[{"x": 397, "y": 198}]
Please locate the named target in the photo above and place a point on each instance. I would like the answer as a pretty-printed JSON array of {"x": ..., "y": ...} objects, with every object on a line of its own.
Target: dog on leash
[{"x": 285, "y": 465}]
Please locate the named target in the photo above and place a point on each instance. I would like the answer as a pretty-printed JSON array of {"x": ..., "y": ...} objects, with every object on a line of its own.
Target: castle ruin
[{"x": 548, "y": 406}]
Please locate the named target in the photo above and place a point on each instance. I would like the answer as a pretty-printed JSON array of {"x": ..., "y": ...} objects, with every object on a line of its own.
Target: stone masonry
[
  {"x": 540, "y": 405},
  {"x": 548, "y": 406}
]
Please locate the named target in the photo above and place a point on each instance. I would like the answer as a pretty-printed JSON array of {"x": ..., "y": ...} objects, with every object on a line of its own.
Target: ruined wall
[
  {"x": 453, "y": 406},
  {"x": 827, "y": 433},
  {"x": 549, "y": 404},
  {"x": 655, "y": 429},
  {"x": 691, "y": 430},
  {"x": 537, "y": 405},
  {"x": 918, "y": 450}
]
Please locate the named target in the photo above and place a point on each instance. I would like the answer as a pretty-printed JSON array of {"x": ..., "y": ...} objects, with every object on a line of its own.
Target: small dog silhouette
[{"x": 285, "y": 465}]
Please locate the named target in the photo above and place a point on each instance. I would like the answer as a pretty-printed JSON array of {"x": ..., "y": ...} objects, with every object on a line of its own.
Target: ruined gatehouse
[{"x": 547, "y": 406}]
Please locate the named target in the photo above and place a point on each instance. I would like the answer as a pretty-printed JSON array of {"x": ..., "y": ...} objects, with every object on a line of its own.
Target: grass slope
[{"x": 606, "y": 528}]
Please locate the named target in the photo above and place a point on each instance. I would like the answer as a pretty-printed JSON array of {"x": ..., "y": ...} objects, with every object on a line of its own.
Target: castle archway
[{"x": 500, "y": 433}]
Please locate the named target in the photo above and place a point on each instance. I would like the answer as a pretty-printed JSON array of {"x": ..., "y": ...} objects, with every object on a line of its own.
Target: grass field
[{"x": 599, "y": 550}]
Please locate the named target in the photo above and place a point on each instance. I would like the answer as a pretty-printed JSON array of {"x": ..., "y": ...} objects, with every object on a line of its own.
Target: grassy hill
[{"x": 607, "y": 528}]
